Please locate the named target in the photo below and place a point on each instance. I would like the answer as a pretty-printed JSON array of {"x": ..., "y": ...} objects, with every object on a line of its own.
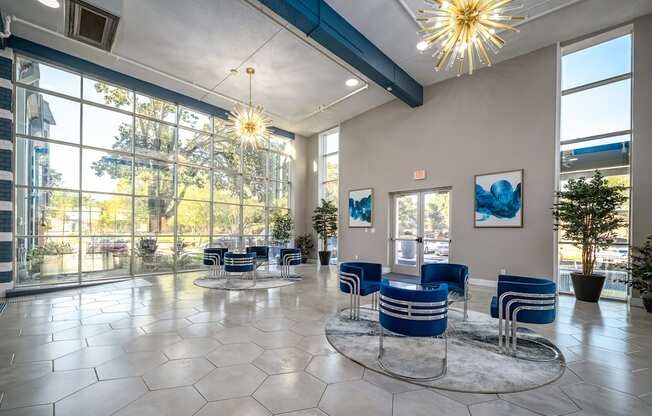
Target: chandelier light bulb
[{"x": 249, "y": 123}]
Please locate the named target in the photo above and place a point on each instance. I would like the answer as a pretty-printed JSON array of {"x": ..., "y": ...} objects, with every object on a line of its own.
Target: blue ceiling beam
[{"x": 320, "y": 22}]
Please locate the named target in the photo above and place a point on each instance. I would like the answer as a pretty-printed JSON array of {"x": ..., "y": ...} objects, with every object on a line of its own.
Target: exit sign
[{"x": 419, "y": 174}]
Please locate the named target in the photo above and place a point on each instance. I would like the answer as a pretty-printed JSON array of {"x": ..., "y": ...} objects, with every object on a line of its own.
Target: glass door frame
[{"x": 419, "y": 238}]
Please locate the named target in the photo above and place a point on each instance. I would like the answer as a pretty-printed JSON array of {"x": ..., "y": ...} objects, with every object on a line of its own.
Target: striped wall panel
[{"x": 6, "y": 165}]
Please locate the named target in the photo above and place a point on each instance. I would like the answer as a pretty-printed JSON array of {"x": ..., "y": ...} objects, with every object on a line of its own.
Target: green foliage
[
  {"x": 587, "y": 215},
  {"x": 49, "y": 248},
  {"x": 640, "y": 268},
  {"x": 305, "y": 244},
  {"x": 324, "y": 221},
  {"x": 282, "y": 226}
]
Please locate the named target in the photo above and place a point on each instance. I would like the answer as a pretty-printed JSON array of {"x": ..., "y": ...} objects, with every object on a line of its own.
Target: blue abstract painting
[
  {"x": 361, "y": 207},
  {"x": 499, "y": 199}
]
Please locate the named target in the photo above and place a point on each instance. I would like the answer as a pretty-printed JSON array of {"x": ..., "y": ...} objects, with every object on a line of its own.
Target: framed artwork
[
  {"x": 499, "y": 200},
  {"x": 361, "y": 208}
]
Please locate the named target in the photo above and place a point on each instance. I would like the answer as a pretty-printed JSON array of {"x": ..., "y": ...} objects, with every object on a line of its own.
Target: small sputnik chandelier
[
  {"x": 461, "y": 31},
  {"x": 249, "y": 123}
]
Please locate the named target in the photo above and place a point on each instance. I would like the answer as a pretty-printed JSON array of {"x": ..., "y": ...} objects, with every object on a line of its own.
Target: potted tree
[
  {"x": 305, "y": 244},
  {"x": 640, "y": 269},
  {"x": 324, "y": 222},
  {"x": 282, "y": 227},
  {"x": 586, "y": 213}
]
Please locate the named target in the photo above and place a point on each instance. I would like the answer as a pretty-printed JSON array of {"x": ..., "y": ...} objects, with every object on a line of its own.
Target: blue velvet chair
[
  {"x": 289, "y": 257},
  {"x": 521, "y": 299},
  {"x": 360, "y": 279},
  {"x": 413, "y": 311},
  {"x": 242, "y": 263},
  {"x": 455, "y": 275},
  {"x": 261, "y": 252},
  {"x": 214, "y": 258}
]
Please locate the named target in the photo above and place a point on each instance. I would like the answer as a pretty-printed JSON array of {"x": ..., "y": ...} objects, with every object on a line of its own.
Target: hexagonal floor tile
[
  {"x": 230, "y": 382},
  {"x": 20, "y": 373},
  {"x": 181, "y": 401},
  {"x": 44, "y": 410},
  {"x": 166, "y": 325},
  {"x": 47, "y": 389},
  {"x": 334, "y": 368},
  {"x": 306, "y": 412},
  {"x": 177, "y": 373},
  {"x": 237, "y": 335},
  {"x": 280, "y": 339},
  {"x": 499, "y": 407},
  {"x": 133, "y": 364},
  {"x": 49, "y": 351},
  {"x": 240, "y": 406},
  {"x": 389, "y": 384},
  {"x": 155, "y": 342},
  {"x": 189, "y": 348},
  {"x": 81, "y": 332},
  {"x": 282, "y": 360},
  {"x": 87, "y": 357},
  {"x": 208, "y": 329},
  {"x": 422, "y": 403},
  {"x": 289, "y": 392},
  {"x": 316, "y": 344},
  {"x": 232, "y": 354},
  {"x": 103, "y": 398},
  {"x": 356, "y": 398},
  {"x": 273, "y": 324}
]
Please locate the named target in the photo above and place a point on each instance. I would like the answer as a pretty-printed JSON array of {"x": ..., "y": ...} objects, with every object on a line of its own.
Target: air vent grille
[{"x": 91, "y": 25}]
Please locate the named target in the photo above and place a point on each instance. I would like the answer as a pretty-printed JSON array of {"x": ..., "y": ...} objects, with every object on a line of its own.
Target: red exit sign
[{"x": 419, "y": 174}]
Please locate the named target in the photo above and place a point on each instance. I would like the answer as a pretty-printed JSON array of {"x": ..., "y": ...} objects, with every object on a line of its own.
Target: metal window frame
[{"x": 133, "y": 156}]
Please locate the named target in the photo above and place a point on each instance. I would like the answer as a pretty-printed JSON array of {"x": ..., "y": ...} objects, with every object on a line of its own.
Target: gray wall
[
  {"x": 642, "y": 134},
  {"x": 498, "y": 119},
  {"x": 501, "y": 118}
]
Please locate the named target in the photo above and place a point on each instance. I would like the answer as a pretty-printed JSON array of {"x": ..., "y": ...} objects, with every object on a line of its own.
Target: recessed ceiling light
[
  {"x": 352, "y": 82},
  {"x": 50, "y": 3},
  {"x": 422, "y": 46}
]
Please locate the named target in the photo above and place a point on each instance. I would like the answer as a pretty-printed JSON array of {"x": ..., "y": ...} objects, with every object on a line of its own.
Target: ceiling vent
[{"x": 91, "y": 25}]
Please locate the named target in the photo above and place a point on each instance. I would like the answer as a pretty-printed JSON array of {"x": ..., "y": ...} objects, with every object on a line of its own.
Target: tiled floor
[{"x": 170, "y": 348}]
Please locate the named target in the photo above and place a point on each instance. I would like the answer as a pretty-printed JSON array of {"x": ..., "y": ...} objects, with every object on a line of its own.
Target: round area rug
[
  {"x": 475, "y": 364},
  {"x": 264, "y": 280}
]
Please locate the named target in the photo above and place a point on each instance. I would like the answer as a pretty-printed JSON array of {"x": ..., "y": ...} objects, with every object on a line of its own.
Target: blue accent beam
[
  {"x": 109, "y": 75},
  {"x": 319, "y": 21}
]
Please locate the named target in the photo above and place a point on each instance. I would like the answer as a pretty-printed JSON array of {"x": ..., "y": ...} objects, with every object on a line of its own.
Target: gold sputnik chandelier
[
  {"x": 463, "y": 30},
  {"x": 249, "y": 123}
]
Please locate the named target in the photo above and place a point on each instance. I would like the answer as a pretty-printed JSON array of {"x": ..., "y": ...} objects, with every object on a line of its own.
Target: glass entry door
[{"x": 420, "y": 230}]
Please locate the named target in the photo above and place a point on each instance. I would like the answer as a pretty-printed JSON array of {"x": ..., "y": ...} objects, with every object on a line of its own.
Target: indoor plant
[
  {"x": 282, "y": 227},
  {"x": 324, "y": 222},
  {"x": 640, "y": 269},
  {"x": 586, "y": 213},
  {"x": 305, "y": 244}
]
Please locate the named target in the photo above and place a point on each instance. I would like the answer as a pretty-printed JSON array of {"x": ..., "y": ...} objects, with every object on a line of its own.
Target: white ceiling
[{"x": 191, "y": 47}]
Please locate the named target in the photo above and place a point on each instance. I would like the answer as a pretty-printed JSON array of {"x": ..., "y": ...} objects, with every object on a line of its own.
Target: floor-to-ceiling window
[
  {"x": 111, "y": 182},
  {"x": 329, "y": 145},
  {"x": 595, "y": 134}
]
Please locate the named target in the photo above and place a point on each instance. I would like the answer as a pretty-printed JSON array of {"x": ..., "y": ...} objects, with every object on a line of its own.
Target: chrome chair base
[{"x": 397, "y": 374}]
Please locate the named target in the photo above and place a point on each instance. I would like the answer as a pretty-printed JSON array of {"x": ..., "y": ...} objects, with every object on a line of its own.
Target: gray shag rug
[
  {"x": 264, "y": 280},
  {"x": 475, "y": 364}
]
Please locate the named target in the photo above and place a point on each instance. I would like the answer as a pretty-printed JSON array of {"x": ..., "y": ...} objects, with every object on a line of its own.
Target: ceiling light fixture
[
  {"x": 352, "y": 82},
  {"x": 463, "y": 30},
  {"x": 422, "y": 46},
  {"x": 250, "y": 124},
  {"x": 54, "y": 4}
]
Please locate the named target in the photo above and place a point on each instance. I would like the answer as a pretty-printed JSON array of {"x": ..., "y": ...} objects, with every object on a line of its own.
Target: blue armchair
[
  {"x": 289, "y": 257},
  {"x": 360, "y": 279},
  {"x": 413, "y": 312},
  {"x": 528, "y": 300},
  {"x": 243, "y": 263},
  {"x": 261, "y": 252},
  {"x": 456, "y": 276},
  {"x": 214, "y": 258}
]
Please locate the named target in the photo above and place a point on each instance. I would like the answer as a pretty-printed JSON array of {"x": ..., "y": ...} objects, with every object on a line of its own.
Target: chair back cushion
[
  {"x": 214, "y": 254},
  {"x": 239, "y": 262},
  {"x": 445, "y": 272},
  {"x": 417, "y": 313},
  {"x": 528, "y": 285},
  {"x": 259, "y": 251},
  {"x": 369, "y": 272},
  {"x": 290, "y": 257}
]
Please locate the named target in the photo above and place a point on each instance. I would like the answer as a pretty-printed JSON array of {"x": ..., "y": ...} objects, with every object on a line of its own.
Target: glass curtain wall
[
  {"x": 111, "y": 182},
  {"x": 595, "y": 134},
  {"x": 329, "y": 144}
]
